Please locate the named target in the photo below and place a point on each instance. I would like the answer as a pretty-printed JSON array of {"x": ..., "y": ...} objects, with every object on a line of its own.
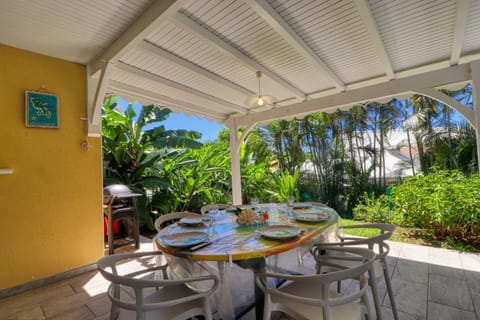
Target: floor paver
[{"x": 429, "y": 283}]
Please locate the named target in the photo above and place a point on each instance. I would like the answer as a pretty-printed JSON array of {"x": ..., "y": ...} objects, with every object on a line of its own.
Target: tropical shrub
[
  {"x": 196, "y": 177},
  {"x": 285, "y": 185},
  {"x": 374, "y": 209},
  {"x": 445, "y": 201}
]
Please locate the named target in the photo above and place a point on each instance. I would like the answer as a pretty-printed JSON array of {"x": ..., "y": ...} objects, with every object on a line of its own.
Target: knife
[{"x": 206, "y": 243}]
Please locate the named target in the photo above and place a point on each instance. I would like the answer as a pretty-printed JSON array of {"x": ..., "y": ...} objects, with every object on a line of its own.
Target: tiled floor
[{"x": 429, "y": 284}]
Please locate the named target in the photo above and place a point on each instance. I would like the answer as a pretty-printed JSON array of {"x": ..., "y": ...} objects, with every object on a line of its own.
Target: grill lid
[{"x": 120, "y": 191}]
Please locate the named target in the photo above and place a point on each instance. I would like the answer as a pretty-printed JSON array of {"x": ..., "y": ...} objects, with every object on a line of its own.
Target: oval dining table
[{"x": 230, "y": 243}]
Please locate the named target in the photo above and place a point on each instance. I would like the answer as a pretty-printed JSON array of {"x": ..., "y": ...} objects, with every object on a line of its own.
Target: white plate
[
  {"x": 185, "y": 239},
  {"x": 192, "y": 220},
  {"x": 311, "y": 217},
  {"x": 279, "y": 232},
  {"x": 301, "y": 205}
]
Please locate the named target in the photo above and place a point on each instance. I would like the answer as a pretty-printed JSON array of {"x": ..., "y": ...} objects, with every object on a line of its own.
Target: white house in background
[{"x": 397, "y": 157}]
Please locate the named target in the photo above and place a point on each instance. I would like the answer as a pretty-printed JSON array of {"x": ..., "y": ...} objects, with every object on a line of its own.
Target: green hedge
[{"x": 446, "y": 202}]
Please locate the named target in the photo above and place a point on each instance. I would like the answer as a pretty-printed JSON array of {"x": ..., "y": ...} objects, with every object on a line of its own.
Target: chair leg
[
  {"x": 207, "y": 309},
  {"x": 114, "y": 312},
  {"x": 373, "y": 285},
  {"x": 389, "y": 290},
  {"x": 136, "y": 233}
]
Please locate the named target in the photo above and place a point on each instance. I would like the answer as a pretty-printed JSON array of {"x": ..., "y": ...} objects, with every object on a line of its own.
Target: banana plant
[{"x": 134, "y": 146}]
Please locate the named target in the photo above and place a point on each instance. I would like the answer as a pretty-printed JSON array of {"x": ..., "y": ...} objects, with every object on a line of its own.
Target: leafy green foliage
[
  {"x": 196, "y": 177},
  {"x": 445, "y": 201},
  {"x": 374, "y": 209},
  {"x": 132, "y": 154},
  {"x": 285, "y": 185}
]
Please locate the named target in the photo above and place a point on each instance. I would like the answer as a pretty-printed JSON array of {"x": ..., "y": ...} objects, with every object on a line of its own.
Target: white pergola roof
[{"x": 200, "y": 56}]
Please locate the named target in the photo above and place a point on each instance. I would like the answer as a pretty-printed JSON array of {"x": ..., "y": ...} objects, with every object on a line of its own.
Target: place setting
[
  {"x": 195, "y": 232},
  {"x": 279, "y": 232}
]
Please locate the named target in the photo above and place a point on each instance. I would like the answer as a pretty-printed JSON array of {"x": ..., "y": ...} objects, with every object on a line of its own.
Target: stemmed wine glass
[
  {"x": 290, "y": 201},
  {"x": 209, "y": 218},
  {"x": 254, "y": 201}
]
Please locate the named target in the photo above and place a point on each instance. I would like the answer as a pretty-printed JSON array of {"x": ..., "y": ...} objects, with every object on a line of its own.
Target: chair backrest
[
  {"x": 321, "y": 282},
  {"x": 382, "y": 232},
  {"x": 135, "y": 272},
  {"x": 219, "y": 206},
  {"x": 169, "y": 218}
]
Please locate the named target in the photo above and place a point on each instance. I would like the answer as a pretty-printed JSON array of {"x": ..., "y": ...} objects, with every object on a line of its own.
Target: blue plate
[{"x": 185, "y": 239}]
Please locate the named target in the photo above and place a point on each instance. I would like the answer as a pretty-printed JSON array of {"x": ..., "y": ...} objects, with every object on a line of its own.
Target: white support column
[
  {"x": 235, "y": 142},
  {"x": 96, "y": 90},
  {"x": 476, "y": 102}
]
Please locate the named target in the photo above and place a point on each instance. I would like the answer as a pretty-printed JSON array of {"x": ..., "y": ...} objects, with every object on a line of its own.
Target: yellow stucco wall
[{"x": 51, "y": 206}]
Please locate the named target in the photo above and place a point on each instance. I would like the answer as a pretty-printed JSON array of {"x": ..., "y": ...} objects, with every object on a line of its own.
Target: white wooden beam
[
  {"x": 268, "y": 14},
  {"x": 147, "y": 96},
  {"x": 467, "y": 113},
  {"x": 235, "y": 143},
  {"x": 147, "y": 75},
  {"x": 459, "y": 31},
  {"x": 165, "y": 55},
  {"x": 392, "y": 88},
  {"x": 369, "y": 22},
  {"x": 476, "y": 102},
  {"x": 99, "y": 96},
  {"x": 205, "y": 35},
  {"x": 151, "y": 19}
]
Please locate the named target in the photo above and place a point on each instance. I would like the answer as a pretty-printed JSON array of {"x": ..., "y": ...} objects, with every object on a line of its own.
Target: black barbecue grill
[{"x": 118, "y": 205}]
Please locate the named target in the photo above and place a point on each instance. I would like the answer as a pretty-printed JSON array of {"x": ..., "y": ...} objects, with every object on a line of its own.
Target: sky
[
  {"x": 208, "y": 128},
  {"x": 175, "y": 121}
]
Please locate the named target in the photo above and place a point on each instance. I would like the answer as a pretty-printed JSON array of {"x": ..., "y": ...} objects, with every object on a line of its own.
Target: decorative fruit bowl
[{"x": 249, "y": 217}]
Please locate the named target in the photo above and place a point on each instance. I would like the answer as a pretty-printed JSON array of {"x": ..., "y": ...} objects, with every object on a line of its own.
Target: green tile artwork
[{"x": 41, "y": 109}]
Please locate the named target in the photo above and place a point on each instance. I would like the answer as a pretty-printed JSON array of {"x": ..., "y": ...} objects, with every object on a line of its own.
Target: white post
[
  {"x": 476, "y": 103},
  {"x": 235, "y": 162}
]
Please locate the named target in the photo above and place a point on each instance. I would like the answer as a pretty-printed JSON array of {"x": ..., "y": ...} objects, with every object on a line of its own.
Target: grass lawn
[{"x": 412, "y": 235}]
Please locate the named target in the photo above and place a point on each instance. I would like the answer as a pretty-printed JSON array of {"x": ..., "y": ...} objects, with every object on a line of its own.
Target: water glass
[{"x": 290, "y": 200}]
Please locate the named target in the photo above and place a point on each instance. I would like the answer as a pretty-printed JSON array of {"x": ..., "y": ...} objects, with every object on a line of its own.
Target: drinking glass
[
  {"x": 210, "y": 217},
  {"x": 290, "y": 201}
]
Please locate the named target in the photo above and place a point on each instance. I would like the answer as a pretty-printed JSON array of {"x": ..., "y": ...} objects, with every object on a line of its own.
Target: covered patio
[{"x": 201, "y": 57}]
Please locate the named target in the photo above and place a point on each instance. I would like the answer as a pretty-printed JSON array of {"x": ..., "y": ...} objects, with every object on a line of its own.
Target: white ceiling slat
[
  {"x": 369, "y": 22},
  {"x": 280, "y": 26},
  {"x": 472, "y": 36},
  {"x": 150, "y": 19},
  {"x": 146, "y": 97},
  {"x": 156, "y": 78},
  {"x": 239, "y": 56},
  {"x": 362, "y": 42},
  {"x": 449, "y": 75},
  {"x": 193, "y": 67}
]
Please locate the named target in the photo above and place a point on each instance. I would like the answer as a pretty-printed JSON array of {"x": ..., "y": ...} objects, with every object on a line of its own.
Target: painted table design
[{"x": 233, "y": 242}]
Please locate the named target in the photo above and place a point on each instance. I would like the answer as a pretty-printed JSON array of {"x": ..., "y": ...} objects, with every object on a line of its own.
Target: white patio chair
[
  {"x": 136, "y": 294},
  {"x": 161, "y": 222},
  {"x": 306, "y": 297},
  {"x": 376, "y": 243},
  {"x": 169, "y": 218}
]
